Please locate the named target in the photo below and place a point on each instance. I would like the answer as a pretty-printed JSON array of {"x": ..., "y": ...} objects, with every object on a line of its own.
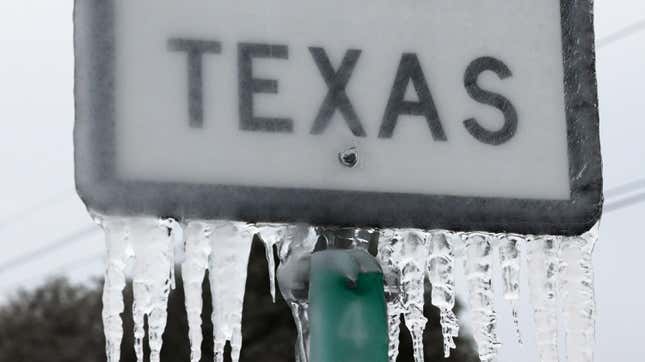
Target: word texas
[{"x": 337, "y": 78}]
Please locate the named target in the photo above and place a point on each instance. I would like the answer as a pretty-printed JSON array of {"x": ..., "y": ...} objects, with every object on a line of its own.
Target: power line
[
  {"x": 625, "y": 188},
  {"x": 626, "y": 202},
  {"x": 67, "y": 267},
  {"x": 50, "y": 247},
  {"x": 55, "y": 199},
  {"x": 621, "y": 34}
]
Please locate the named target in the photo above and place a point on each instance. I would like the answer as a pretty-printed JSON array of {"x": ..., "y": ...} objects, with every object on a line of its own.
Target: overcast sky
[{"x": 38, "y": 205}]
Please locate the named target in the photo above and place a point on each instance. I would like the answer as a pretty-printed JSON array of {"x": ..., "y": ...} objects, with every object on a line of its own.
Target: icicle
[
  {"x": 394, "y": 328},
  {"x": 231, "y": 246},
  {"x": 153, "y": 244},
  {"x": 477, "y": 264},
  {"x": 300, "y": 312},
  {"x": 119, "y": 252},
  {"x": 362, "y": 237},
  {"x": 176, "y": 234},
  {"x": 441, "y": 276},
  {"x": 295, "y": 252},
  {"x": 348, "y": 238},
  {"x": 193, "y": 270},
  {"x": 578, "y": 295},
  {"x": 271, "y": 234},
  {"x": 404, "y": 252},
  {"x": 389, "y": 247},
  {"x": 544, "y": 263},
  {"x": 510, "y": 262},
  {"x": 415, "y": 256}
]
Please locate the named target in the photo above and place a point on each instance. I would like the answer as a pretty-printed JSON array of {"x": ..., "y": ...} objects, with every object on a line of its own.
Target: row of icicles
[{"x": 560, "y": 282}]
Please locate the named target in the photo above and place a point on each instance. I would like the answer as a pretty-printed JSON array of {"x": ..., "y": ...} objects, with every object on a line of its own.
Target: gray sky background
[{"x": 38, "y": 205}]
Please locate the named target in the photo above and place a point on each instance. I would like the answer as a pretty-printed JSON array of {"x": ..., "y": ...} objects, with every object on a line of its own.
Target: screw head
[{"x": 349, "y": 157}]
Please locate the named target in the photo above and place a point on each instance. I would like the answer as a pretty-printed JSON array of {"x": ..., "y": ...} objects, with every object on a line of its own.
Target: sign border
[{"x": 104, "y": 193}]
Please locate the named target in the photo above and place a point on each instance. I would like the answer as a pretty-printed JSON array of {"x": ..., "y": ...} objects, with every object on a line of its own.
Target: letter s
[{"x": 504, "y": 134}]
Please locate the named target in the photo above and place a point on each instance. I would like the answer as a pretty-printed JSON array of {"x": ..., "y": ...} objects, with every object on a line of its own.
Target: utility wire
[
  {"x": 621, "y": 34},
  {"x": 625, "y": 188},
  {"x": 626, "y": 202},
  {"x": 53, "y": 200},
  {"x": 50, "y": 247},
  {"x": 73, "y": 265}
]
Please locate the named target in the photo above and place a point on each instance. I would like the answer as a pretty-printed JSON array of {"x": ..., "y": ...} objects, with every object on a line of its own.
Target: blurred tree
[{"x": 60, "y": 322}]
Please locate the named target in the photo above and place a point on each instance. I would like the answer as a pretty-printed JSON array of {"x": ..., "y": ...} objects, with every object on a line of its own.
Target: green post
[{"x": 348, "y": 316}]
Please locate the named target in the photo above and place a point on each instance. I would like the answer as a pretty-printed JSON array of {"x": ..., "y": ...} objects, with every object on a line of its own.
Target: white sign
[{"x": 426, "y": 113}]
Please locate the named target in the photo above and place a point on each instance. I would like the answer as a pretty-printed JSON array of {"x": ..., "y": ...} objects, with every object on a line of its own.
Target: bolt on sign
[{"x": 452, "y": 114}]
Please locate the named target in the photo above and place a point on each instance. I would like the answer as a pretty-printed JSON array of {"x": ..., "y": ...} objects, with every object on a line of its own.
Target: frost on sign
[
  {"x": 453, "y": 128},
  {"x": 462, "y": 115}
]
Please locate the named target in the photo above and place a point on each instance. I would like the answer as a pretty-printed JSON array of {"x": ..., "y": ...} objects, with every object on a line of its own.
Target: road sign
[{"x": 467, "y": 114}]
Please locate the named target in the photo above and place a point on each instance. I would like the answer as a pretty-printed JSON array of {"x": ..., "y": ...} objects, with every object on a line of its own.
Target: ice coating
[
  {"x": 510, "y": 263},
  {"x": 560, "y": 279},
  {"x": 348, "y": 238},
  {"x": 231, "y": 246},
  {"x": 152, "y": 241},
  {"x": 478, "y": 264},
  {"x": 119, "y": 253},
  {"x": 394, "y": 329},
  {"x": 193, "y": 270},
  {"x": 97, "y": 42},
  {"x": 544, "y": 264},
  {"x": 300, "y": 312},
  {"x": 441, "y": 276},
  {"x": 577, "y": 295},
  {"x": 293, "y": 273}
]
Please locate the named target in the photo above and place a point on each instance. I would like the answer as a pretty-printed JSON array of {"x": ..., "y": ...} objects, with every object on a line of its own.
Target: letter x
[{"x": 337, "y": 95}]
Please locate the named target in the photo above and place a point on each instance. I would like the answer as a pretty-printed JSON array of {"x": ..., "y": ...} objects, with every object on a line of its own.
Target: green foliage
[{"x": 61, "y": 322}]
